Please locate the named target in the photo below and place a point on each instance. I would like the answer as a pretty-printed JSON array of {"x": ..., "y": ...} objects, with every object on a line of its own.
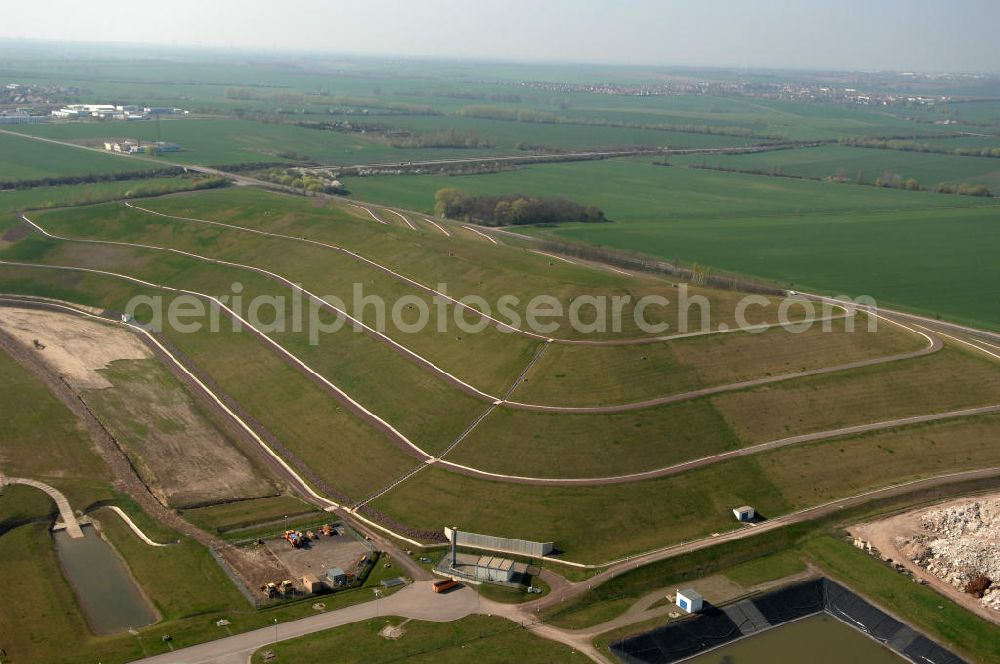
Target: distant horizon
[
  {"x": 855, "y": 35},
  {"x": 217, "y": 49}
]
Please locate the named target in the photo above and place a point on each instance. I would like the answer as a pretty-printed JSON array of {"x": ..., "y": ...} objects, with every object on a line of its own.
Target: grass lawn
[
  {"x": 464, "y": 265},
  {"x": 819, "y": 472},
  {"x": 766, "y": 568},
  {"x": 85, "y": 194},
  {"x": 845, "y": 161},
  {"x": 475, "y": 638}
]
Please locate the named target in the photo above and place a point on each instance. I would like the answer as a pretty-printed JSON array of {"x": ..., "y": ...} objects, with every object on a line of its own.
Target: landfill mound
[{"x": 960, "y": 545}]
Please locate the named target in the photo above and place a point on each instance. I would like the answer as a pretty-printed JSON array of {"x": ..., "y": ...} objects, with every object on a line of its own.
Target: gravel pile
[{"x": 959, "y": 544}]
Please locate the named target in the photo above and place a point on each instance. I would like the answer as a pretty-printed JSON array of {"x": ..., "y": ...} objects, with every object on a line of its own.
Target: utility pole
[{"x": 275, "y": 632}]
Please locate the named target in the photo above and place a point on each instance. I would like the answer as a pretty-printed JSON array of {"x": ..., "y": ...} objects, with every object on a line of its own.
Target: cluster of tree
[
  {"x": 398, "y": 106},
  {"x": 773, "y": 171},
  {"x": 305, "y": 182},
  {"x": 249, "y": 166},
  {"x": 455, "y": 94},
  {"x": 892, "y": 180},
  {"x": 962, "y": 189},
  {"x": 91, "y": 178},
  {"x": 909, "y": 145},
  {"x": 514, "y": 209},
  {"x": 444, "y": 138},
  {"x": 544, "y": 117},
  {"x": 345, "y": 126},
  {"x": 240, "y": 93}
]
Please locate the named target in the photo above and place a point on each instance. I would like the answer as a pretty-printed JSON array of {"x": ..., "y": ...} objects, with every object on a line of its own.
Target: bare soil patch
[{"x": 74, "y": 348}]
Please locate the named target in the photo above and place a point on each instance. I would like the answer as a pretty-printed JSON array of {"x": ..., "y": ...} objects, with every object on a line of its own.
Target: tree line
[
  {"x": 513, "y": 209},
  {"x": 915, "y": 146},
  {"x": 887, "y": 179},
  {"x": 545, "y": 117},
  {"x": 91, "y": 178},
  {"x": 444, "y": 138}
]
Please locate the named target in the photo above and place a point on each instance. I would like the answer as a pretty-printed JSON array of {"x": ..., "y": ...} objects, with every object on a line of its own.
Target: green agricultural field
[
  {"x": 856, "y": 164},
  {"x": 818, "y": 235},
  {"x": 24, "y": 159}
]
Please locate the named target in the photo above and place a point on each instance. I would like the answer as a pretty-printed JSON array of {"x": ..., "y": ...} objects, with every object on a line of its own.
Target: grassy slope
[
  {"x": 356, "y": 460},
  {"x": 858, "y": 240},
  {"x": 839, "y": 160},
  {"x": 464, "y": 267},
  {"x": 584, "y": 376},
  {"x": 45, "y": 441},
  {"x": 593, "y": 524},
  {"x": 588, "y": 445},
  {"x": 951, "y": 379}
]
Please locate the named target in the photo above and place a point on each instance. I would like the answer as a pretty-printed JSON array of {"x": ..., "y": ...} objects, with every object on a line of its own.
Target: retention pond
[
  {"x": 109, "y": 597},
  {"x": 817, "y": 621}
]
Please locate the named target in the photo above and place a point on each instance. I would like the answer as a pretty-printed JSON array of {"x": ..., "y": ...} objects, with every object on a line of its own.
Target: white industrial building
[
  {"x": 743, "y": 513},
  {"x": 112, "y": 111},
  {"x": 690, "y": 600}
]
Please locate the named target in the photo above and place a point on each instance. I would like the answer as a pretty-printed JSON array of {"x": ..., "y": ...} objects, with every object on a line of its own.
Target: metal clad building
[{"x": 501, "y": 544}]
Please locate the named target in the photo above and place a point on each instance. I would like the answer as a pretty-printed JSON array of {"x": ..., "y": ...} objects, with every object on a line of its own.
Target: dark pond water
[
  {"x": 109, "y": 597},
  {"x": 820, "y": 639}
]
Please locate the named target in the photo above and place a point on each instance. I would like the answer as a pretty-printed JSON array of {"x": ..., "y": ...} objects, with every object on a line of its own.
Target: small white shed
[
  {"x": 689, "y": 600},
  {"x": 744, "y": 513}
]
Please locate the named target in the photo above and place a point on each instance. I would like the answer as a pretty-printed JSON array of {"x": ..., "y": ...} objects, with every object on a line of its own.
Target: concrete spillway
[{"x": 65, "y": 511}]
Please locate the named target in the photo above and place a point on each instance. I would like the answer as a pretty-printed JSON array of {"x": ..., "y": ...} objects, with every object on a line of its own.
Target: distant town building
[{"x": 113, "y": 111}]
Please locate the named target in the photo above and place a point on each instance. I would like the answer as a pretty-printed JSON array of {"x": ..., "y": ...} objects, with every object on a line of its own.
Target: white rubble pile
[{"x": 960, "y": 543}]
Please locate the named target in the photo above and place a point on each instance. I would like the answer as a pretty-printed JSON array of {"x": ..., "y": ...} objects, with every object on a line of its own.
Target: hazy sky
[{"x": 842, "y": 34}]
